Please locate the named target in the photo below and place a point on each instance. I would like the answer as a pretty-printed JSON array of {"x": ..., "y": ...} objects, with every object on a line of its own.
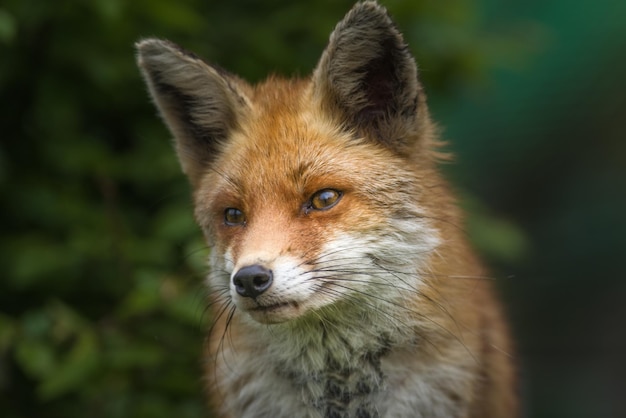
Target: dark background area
[{"x": 102, "y": 307}]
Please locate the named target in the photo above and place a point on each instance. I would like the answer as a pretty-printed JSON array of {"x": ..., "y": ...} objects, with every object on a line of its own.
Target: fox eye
[
  {"x": 325, "y": 199},
  {"x": 234, "y": 217}
]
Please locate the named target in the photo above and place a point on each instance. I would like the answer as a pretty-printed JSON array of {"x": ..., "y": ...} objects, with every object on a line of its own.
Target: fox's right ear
[{"x": 199, "y": 103}]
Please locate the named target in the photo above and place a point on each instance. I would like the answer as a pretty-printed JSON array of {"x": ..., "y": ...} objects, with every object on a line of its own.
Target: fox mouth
[
  {"x": 274, "y": 313},
  {"x": 274, "y": 307}
]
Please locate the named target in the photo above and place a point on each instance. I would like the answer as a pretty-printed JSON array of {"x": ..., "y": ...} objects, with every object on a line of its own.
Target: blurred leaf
[
  {"x": 50, "y": 259},
  {"x": 175, "y": 223},
  {"x": 500, "y": 240},
  {"x": 8, "y": 27},
  {"x": 144, "y": 297},
  {"x": 196, "y": 255},
  {"x": 109, "y": 9},
  {"x": 58, "y": 349},
  {"x": 135, "y": 355},
  {"x": 185, "y": 305},
  {"x": 36, "y": 357},
  {"x": 174, "y": 15},
  {"x": 8, "y": 332},
  {"x": 36, "y": 324},
  {"x": 75, "y": 368}
]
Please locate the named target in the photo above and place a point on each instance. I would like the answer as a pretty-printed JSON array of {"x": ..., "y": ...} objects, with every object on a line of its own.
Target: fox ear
[
  {"x": 368, "y": 76},
  {"x": 199, "y": 103}
]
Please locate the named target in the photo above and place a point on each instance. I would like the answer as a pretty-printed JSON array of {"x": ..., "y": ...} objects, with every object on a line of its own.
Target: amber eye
[
  {"x": 325, "y": 199},
  {"x": 234, "y": 217}
]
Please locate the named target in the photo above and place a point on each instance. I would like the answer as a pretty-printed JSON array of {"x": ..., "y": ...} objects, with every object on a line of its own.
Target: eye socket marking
[
  {"x": 234, "y": 217},
  {"x": 323, "y": 200}
]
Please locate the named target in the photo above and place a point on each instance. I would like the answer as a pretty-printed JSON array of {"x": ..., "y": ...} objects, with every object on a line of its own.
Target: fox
[{"x": 342, "y": 283}]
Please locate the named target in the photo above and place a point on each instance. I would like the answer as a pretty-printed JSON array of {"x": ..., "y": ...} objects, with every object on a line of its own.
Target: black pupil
[
  {"x": 233, "y": 215},
  {"x": 324, "y": 199}
]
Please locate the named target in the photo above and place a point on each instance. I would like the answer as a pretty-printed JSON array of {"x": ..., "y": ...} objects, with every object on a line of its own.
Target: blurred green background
[{"x": 102, "y": 308}]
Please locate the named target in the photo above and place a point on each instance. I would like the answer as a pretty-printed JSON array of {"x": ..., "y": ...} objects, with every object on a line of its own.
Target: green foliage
[
  {"x": 101, "y": 293},
  {"x": 496, "y": 238},
  {"x": 103, "y": 305}
]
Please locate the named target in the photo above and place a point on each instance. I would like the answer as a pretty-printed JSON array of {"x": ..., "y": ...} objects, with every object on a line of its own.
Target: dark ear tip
[
  {"x": 147, "y": 44},
  {"x": 371, "y": 19},
  {"x": 368, "y": 10},
  {"x": 148, "y": 50},
  {"x": 162, "y": 49},
  {"x": 370, "y": 6},
  {"x": 152, "y": 47}
]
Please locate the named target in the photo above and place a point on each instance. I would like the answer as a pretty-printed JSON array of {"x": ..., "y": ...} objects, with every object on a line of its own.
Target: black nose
[{"x": 251, "y": 281}]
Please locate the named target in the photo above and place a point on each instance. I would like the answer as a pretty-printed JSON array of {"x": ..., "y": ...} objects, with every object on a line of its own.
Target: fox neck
[
  {"x": 342, "y": 388},
  {"x": 336, "y": 365}
]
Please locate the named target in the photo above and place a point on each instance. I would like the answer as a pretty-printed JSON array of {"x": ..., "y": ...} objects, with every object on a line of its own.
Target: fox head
[{"x": 314, "y": 193}]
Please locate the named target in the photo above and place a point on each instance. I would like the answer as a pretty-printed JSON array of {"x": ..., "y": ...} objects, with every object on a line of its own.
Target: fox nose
[{"x": 251, "y": 281}]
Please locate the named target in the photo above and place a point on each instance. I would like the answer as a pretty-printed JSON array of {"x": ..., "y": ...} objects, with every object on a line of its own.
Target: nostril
[
  {"x": 251, "y": 281},
  {"x": 238, "y": 285},
  {"x": 260, "y": 281}
]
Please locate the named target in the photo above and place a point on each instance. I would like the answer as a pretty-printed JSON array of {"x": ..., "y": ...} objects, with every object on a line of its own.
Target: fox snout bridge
[{"x": 251, "y": 281}]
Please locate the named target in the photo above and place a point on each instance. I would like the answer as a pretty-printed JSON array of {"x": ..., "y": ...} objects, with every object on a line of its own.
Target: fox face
[
  {"x": 304, "y": 215},
  {"x": 334, "y": 238}
]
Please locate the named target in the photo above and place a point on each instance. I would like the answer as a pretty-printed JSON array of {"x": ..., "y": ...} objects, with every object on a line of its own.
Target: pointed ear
[
  {"x": 368, "y": 77},
  {"x": 199, "y": 103}
]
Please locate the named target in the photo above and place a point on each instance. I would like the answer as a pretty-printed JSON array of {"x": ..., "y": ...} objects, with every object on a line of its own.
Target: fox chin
[{"x": 341, "y": 282}]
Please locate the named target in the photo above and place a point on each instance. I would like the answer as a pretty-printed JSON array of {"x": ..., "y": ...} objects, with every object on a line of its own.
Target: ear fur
[
  {"x": 199, "y": 103},
  {"x": 368, "y": 77}
]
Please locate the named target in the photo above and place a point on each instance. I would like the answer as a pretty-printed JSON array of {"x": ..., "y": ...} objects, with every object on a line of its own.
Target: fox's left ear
[{"x": 368, "y": 77}]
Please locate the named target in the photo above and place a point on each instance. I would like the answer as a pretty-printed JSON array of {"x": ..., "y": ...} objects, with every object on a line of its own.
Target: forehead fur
[{"x": 289, "y": 144}]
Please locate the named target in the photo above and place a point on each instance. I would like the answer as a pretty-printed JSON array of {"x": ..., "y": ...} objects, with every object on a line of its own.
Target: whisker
[
  {"x": 345, "y": 275},
  {"x": 376, "y": 309}
]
